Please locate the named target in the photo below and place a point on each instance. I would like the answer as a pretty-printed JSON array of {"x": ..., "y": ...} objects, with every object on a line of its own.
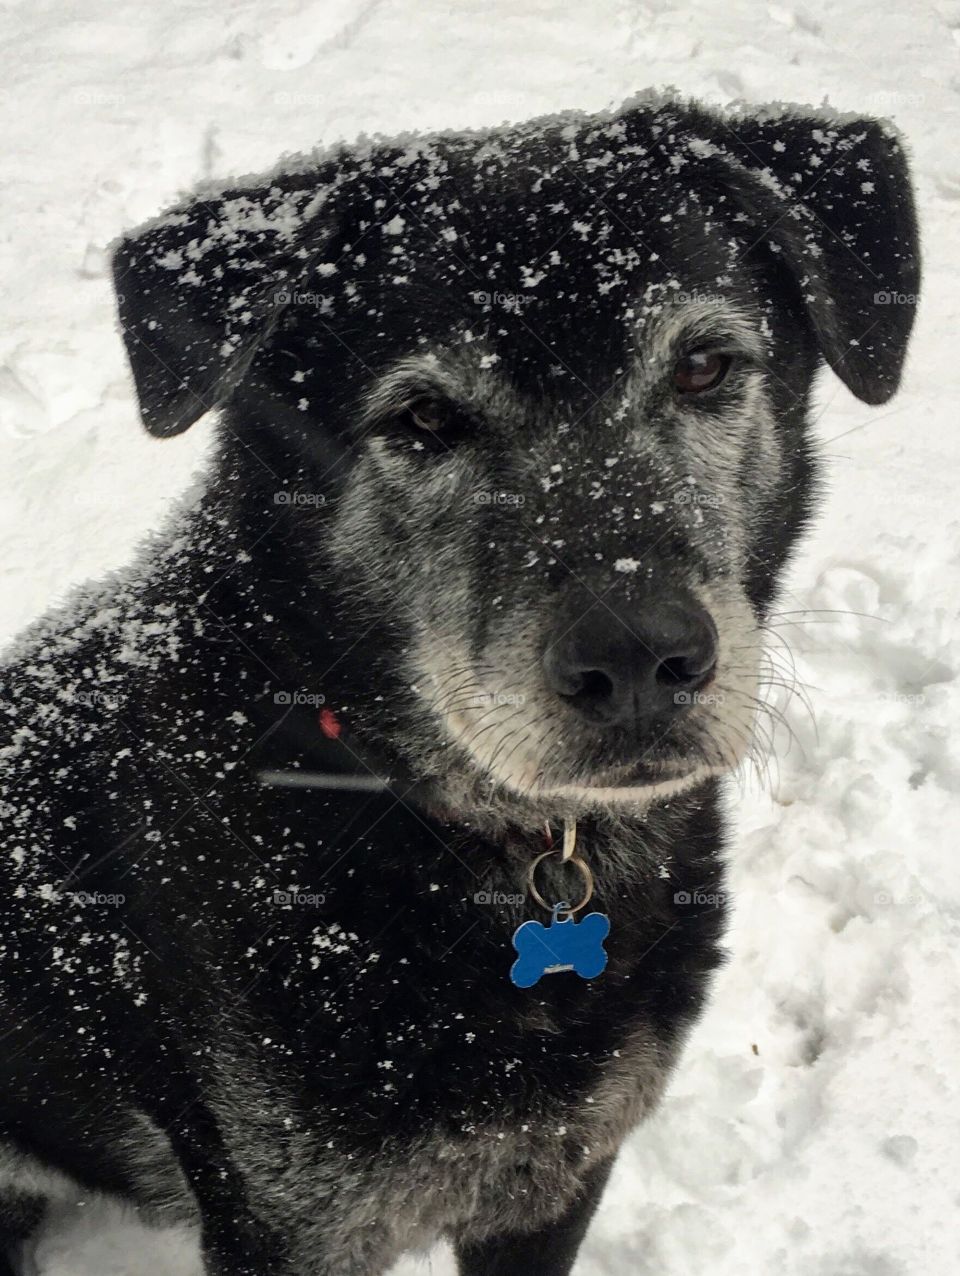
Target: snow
[{"x": 813, "y": 1128}]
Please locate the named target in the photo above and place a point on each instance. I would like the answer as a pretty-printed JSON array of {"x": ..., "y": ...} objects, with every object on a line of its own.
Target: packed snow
[{"x": 813, "y": 1128}]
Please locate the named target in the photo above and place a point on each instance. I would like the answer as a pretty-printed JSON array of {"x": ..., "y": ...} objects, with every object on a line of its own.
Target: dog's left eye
[
  {"x": 702, "y": 370},
  {"x": 425, "y": 414}
]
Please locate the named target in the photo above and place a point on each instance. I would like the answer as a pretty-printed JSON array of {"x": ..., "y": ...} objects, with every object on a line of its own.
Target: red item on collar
[{"x": 329, "y": 724}]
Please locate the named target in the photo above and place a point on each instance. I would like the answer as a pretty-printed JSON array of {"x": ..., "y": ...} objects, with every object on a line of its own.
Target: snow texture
[{"x": 813, "y": 1128}]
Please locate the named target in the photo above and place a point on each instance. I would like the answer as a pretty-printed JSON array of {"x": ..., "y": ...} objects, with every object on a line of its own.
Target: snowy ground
[{"x": 814, "y": 1128}]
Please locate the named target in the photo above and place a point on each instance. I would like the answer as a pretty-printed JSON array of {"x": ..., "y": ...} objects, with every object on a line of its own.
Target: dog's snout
[{"x": 616, "y": 666}]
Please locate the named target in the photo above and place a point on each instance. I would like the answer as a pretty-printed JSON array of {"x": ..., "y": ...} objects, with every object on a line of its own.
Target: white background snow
[{"x": 814, "y": 1127}]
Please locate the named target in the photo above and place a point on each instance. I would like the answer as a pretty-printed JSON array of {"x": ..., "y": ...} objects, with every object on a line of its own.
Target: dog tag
[{"x": 560, "y": 946}]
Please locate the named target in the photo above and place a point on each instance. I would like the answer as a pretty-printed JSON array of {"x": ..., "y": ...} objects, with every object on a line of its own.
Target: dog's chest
[
  {"x": 397, "y": 1087},
  {"x": 470, "y": 1171}
]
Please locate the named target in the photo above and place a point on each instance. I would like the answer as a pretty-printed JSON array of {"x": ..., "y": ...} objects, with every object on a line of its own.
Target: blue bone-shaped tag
[{"x": 563, "y": 945}]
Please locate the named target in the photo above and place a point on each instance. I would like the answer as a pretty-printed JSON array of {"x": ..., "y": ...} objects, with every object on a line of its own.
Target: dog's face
[
  {"x": 570, "y": 554},
  {"x": 566, "y": 371}
]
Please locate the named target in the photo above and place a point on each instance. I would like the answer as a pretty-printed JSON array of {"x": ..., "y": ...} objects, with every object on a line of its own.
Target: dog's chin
[
  {"x": 617, "y": 772},
  {"x": 638, "y": 783}
]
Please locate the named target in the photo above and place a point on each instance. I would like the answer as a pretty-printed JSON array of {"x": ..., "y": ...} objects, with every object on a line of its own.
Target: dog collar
[{"x": 564, "y": 944}]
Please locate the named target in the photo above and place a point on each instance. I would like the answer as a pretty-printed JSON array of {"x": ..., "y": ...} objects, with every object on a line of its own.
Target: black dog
[{"x": 511, "y": 454}]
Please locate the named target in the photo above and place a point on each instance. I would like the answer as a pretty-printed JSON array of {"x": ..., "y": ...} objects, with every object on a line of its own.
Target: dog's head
[{"x": 553, "y": 382}]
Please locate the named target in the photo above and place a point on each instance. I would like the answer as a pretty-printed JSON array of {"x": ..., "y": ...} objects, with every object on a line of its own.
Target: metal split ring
[{"x": 581, "y": 866}]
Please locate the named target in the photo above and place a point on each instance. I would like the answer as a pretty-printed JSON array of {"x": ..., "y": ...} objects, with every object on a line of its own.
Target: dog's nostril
[
  {"x": 595, "y": 685},
  {"x": 680, "y": 671}
]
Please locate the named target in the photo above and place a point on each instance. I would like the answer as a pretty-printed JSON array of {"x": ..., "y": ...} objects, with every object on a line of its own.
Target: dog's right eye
[{"x": 703, "y": 370}]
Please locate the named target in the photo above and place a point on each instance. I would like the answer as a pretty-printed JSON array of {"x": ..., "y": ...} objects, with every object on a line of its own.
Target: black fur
[{"x": 140, "y": 718}]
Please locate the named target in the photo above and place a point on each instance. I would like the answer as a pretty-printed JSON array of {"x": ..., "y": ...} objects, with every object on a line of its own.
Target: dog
[{"x": 460, "y": 632}]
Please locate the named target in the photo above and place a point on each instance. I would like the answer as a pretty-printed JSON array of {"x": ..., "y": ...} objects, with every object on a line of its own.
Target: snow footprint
[
  {"x": 296, "y": 39},
  {"x": 863, "y": 613}
]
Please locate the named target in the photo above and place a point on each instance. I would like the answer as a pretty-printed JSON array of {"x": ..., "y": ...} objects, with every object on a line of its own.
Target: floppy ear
[
  {"x": 200, "y": 290},
  {"x": 832, "y": 198}
]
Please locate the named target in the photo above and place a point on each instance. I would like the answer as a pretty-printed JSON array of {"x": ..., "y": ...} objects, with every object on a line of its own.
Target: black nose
[{"x": 617, "y": 666}]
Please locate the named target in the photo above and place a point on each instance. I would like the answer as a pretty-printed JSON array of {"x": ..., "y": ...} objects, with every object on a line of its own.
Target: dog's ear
[
  {"x": 833, "y": 200},
  {"x": 201, "y": 289}
]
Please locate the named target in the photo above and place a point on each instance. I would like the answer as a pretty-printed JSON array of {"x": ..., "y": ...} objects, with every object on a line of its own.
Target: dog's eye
[
  {"x": 702, "y": 370},
  {"x": 425, "y": 414}
]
